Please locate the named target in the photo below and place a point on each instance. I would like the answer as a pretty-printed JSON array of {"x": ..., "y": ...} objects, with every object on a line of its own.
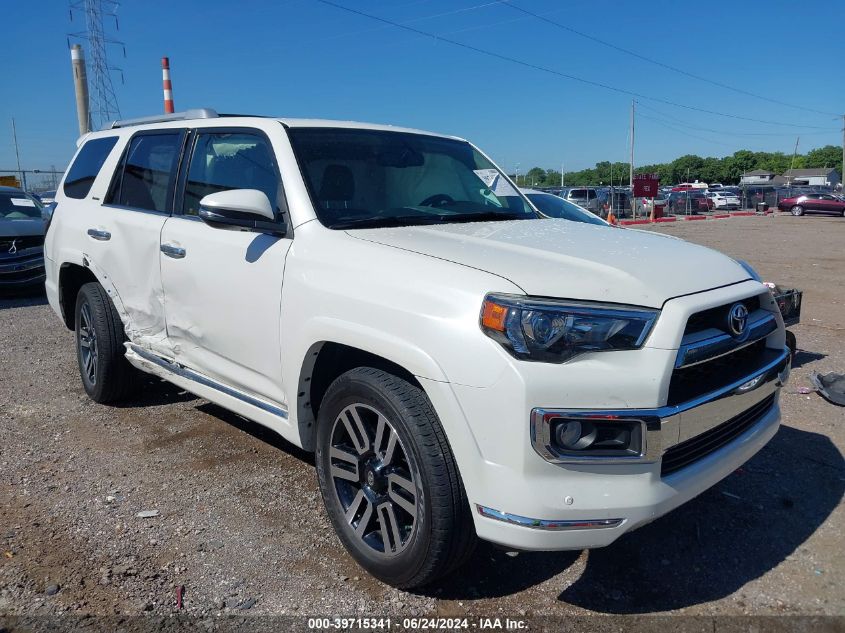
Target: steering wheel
[{"x": 437, "y": 200}]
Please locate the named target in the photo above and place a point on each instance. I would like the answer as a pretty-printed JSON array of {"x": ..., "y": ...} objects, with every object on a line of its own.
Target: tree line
[{"x": 726, "y": 170}]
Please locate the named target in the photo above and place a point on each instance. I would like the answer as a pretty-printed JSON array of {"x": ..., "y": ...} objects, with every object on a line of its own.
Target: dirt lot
[{"x": 240, "y": 524}]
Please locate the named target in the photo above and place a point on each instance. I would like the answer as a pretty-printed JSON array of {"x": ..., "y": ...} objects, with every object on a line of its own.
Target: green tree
[{"x": 827, "y": 156}]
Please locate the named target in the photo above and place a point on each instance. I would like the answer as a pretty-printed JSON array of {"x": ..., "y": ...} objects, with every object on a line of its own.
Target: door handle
[
  {"x": 97, "y": 234},
  {"x": 172, "y": 251}
]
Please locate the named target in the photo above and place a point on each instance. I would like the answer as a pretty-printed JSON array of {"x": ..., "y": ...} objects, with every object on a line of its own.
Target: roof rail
[{"x": 197, "y": 113}]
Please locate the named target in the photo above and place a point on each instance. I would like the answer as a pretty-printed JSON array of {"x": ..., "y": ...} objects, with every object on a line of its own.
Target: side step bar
[{"x": 189, "y": 374}]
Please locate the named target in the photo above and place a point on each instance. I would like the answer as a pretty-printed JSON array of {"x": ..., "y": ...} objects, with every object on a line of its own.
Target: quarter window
[
  {"x": 229, "y": 160},
  {"x": 148, "y": 171},
  {"x": 81, "y": 175}
]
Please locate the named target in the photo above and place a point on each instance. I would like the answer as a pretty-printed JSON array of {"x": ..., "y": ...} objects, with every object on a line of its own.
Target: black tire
[
  {"x": 106, "y": 374},
  {"x": 797, "y": 210},
  {"x": 442, "y": 535}
]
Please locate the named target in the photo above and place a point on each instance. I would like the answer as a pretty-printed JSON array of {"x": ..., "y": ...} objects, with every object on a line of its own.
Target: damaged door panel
[
  {"x": 125, "y": 237},
  {"x": 222, "y": 288}
]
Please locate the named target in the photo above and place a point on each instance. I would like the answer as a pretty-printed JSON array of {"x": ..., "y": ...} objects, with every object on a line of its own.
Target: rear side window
[
  {"x": 146, "y": 176},
  {"x": 80, "y": 177}
]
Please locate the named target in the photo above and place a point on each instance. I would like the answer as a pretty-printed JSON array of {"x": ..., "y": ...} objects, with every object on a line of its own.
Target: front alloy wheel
[
  {"x": 389, "y": 479},
  {"x": 373, "y": 479},
  {"x": 797, "y": 210}
]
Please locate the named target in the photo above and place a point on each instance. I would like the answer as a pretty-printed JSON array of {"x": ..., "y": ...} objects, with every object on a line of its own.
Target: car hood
[
  {"x": 21, "y": 228},
  {"x": 572, "y": 260}
]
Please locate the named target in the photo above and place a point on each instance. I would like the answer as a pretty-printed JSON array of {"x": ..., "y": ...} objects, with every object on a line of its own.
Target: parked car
[
  {"x": 552, "y": 206},
  {"x": 46, "y": 197},
  {"x": 723, "y": 200},
  {"x": 21, "y": 242},
  {"x": 385, "y": 297},
  {"x": 586, "y": 197},
  {"x": 813, "y": 203},
  {"x": 688, "y": 202},
  {"x": 616, "y": 200},
  {"x": 658, "y": 203}
]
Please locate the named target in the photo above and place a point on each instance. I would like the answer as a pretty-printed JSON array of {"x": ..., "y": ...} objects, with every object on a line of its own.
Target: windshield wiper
[
  {"x": 384, "y": 221},
  {"x": 419, "y": 219},
  {"x": 484, "y": 216}
]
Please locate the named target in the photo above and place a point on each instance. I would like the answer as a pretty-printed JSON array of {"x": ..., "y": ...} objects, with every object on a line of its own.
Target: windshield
[
  {"x": 372, "y": 178},
  {"x": 555, "y": 207},
  {"x": 17, "y": 205}
]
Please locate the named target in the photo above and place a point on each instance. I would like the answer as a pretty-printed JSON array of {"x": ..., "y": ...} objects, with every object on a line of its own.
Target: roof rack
[{"x": 197, "y": 113}]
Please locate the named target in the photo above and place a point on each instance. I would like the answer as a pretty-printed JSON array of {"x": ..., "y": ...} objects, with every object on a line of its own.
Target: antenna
[{"x": 104, "y": 106}]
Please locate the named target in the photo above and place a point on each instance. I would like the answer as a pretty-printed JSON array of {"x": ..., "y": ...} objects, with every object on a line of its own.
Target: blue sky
[{"x": 304, "y": 58}]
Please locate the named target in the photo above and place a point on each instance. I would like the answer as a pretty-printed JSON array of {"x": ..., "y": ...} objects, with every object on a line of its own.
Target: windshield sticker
[
  {"x": 22, "y": 202},
  {"x": 493, "y": 181}
]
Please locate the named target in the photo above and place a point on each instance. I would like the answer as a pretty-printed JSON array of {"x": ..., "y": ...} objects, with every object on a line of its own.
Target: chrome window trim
[
  {"x": 714, "y": 347},
  {"x": 662, "y": 425}
]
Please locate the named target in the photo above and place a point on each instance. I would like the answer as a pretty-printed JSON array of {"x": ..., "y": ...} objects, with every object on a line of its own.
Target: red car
[{"x": 813, "y": 203}]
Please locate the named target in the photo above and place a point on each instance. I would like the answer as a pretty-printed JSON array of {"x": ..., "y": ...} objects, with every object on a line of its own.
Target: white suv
[{"x": 386, "y": 298}]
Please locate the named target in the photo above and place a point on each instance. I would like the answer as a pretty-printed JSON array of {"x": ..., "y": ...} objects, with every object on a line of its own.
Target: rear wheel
[
  {"x": 389, "y": 481},
  {"x": 106, "y": 374},
  {"x": 797, "y": 210}
]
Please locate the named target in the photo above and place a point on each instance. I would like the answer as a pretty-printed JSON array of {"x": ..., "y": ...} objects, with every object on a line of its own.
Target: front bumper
[
  {"x": 631, "y": 499},
  {"x": 23, "y": 270},
  {"x": 524, "y": 500}
]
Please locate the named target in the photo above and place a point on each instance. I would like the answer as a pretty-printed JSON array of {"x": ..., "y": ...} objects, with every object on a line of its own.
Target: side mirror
[{"x": 244, "y": 209}]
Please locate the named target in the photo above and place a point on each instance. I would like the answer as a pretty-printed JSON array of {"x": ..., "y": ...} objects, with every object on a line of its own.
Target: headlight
[
  {"x": 553, "y": 331},
  {"x": 748, "y": 268}
]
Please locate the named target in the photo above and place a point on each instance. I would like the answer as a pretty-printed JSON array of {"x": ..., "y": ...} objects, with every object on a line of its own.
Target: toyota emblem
[{"x": 738, "y": 320}]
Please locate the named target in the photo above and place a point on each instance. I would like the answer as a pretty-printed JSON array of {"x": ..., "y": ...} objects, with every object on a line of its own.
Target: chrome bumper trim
[
  {"x": 664, "y": 427},
  {"x": 549, "y": 524}
]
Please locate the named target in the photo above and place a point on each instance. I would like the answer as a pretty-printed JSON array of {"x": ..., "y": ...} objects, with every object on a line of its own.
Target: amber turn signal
[{"x": 493, "y": 316}]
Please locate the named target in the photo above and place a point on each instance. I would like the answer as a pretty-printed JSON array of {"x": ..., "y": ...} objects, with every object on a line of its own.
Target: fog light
[
  {"x": 598, "y": 437},
  {"x": 574, "y": 435}
]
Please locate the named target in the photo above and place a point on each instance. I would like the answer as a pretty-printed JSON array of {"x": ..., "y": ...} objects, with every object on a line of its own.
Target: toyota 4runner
[{"x": 461, "y": 367}]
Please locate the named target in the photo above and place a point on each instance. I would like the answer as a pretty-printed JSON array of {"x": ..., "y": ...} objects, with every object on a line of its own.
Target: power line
[
  {"x": 419, "y": 19},
  {"x": 551, "y": 71},
  {"x": 674, "y": 129},
  {"x": 656, "y": 62},
  {"x": 682, "y": 123}
]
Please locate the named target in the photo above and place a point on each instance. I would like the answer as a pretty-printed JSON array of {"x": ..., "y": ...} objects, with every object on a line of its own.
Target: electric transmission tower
[{"x": 104, "y": 106}]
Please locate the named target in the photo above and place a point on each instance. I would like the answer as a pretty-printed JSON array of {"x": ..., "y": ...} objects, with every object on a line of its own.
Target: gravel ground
[{"x": 238, "y": 522}]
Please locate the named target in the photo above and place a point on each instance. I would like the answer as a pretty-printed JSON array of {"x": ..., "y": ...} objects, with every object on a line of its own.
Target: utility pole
[
  {"x": 17, "y": 155},
  {"x": 792, "y": 164},
  {"x": 631, "y": 167},
  {"x": 561, "y": 167},
  {"x": 842, "y": 175}
]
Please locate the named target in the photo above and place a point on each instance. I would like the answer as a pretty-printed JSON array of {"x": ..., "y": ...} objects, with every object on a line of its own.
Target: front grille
[
  {"x": 21, "y": 243},
  {"x": 691, "y": 382},
  {"x": 717, "y": 317},
  {"x": 693, "y": 449}
]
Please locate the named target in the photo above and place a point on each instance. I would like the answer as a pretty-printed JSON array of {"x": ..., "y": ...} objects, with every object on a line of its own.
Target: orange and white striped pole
[{"x": 168, "y": 87}]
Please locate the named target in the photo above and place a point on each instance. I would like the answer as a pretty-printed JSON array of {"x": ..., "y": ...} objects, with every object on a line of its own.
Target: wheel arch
[
  {"x": 71, "y": 278},
  {"x": 323, "y": 363}
]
